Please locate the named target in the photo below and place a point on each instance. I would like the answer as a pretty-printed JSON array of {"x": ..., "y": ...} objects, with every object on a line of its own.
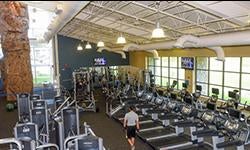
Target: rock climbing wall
[{"x": 16, "y": 68}]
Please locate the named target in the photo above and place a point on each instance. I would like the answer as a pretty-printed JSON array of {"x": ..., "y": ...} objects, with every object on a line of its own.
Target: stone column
[{"x": 16, "y": 68}]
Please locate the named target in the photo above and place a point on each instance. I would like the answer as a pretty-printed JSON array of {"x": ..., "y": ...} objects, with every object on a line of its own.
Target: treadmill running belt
[
  {"x": 196, "y": 147},
  {"x": 149, "y": 125},
  {"x": 144, "y": 118},
  {"x": 155, "y": 133},
  {"x": 169, "y": 141},
  {"x": 119, "y": 114}
]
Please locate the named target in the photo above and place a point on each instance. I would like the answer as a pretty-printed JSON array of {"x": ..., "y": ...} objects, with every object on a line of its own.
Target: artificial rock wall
[{"x": 16, "y": 66}]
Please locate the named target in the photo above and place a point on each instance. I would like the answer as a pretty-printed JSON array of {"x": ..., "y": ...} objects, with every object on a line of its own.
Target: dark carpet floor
[
  {"x": 103, "y": 126},
  {"x": 110, "y": 130}
]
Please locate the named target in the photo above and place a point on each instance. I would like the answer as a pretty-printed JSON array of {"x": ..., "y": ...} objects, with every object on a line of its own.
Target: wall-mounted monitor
[
  {"x": 231, "y": 94},
  {"x": 199, "y": 88},
  {"x": 187, "y": 63},
  {"x": 100, "y": 61},
  {"x": 215, "y": 91}
]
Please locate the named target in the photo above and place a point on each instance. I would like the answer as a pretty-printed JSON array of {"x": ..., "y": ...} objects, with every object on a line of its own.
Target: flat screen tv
[
  {"x": 187, "y": 63},
  {"x": 99, "y": 61}
]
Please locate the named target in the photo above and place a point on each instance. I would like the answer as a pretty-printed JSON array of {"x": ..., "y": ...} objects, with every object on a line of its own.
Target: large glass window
[
  {"x": 164, "y": 61},
  {"x": 215, "y": 77},
  {"x": 232, "y": 74},
  {"x": 40, "y": 52},
  {"x": 42, "y": 62},
  {"x": 166, "y": 70}
]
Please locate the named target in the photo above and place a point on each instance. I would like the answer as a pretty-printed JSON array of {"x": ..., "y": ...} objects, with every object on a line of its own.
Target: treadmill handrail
[
  {"x": 205, "y": 132},
  {"x": 184, "y": 123},
  {"x": 11, "y": 140},
  {"x": 229, "y": 143}
]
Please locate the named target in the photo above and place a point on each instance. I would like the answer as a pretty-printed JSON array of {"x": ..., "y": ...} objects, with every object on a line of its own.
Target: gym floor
[{"x": 103, "y": 126}]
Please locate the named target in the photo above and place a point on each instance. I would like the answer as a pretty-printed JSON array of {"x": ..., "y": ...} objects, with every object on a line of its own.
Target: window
[
  {"x": 40, "y": 53},
  {"x": 114, "y": 70},
  {"x": 41, "y": 62},
  {"x": 232, "y": 74},
  {"x": 166, "y": 70}
]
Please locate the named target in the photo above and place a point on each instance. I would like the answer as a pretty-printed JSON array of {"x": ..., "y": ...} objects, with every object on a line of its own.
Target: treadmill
[
  {"x": 146, "y": 122},
  {"x": 178, "y": 141},
  {"x": 151, "y": 112},
  {"x": 156, "y": 133},
  {"x": 119, "y": 116},
  {"x": 208, "y": 119},
  {"x": 165, "y": 130}
]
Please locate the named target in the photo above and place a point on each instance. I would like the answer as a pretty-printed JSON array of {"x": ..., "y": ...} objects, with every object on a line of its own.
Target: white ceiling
[
  {"x": 45, "y": 5},
  {"x": 105, "y": 20}
]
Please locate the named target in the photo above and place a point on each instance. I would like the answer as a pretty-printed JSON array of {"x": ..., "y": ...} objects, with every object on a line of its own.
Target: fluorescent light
[
  {"x": 158, "y": 32},
  {"x": 88, "y": 46},
  {"x": 100, "y": 44},
  {"x": 121, "y": 40},
  {"x": 79, "y": 47}
]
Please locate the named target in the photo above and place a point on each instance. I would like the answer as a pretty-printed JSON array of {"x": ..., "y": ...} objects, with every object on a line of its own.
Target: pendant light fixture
[
  {"x": 158, "y": 32},
  {"x": 79, "y": 47},
  {"x": 100, "y": 44},
  {"x": 121, "y": 39},
  {"x": 88, "y": 46}
]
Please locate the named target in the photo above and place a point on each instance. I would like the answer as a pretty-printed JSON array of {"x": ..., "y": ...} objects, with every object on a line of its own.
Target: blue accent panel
[{"x": 71, "y": 59}]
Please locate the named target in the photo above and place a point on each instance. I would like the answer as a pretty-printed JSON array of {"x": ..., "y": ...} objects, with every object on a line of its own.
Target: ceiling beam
[
  {"x": 140, "y": 19},
  {"x": 176, "y": 17},
  {"x": 213, "y": 13},
  {"x": 216, "y": 20},
  {"x": 115, "y": 21}
]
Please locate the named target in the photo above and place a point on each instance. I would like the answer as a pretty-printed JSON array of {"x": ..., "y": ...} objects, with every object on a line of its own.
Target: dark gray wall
[{"x": 71, "y": 59}]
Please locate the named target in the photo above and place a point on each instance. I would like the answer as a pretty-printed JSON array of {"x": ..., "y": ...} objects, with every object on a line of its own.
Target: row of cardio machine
[
  {"x": 42, "y": 125},
  {"x": 178, "y": 120}
]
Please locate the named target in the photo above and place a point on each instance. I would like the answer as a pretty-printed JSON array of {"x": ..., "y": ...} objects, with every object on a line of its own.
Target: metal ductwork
[
  {"x": 133, "y": 46},
  {"x": 186, "y": 41},
  {"x": 212, "y": 42},
  {"x": 224, "y": 39},
  {"x": 219, "y": 52},
  {"x": 111, "y": 50},
  {"x": 154, "y": 52},
  {"x": 69, "y": 10},
  {"x": 151, "y": 46}
]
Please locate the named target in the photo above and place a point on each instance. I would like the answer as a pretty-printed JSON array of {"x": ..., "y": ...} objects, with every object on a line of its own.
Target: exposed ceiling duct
[
  {"x": 133, "y": 46},
  {"x": 224, "y": 39},
  {"x": 219, "y": 52},
  {"x": 69, "y": 10},
  {"x": 193, "y": 41},
  {"x": 111, "y": 50},
  {"x": 155, "y": 53},
  {"x": 212, "y": 42}
]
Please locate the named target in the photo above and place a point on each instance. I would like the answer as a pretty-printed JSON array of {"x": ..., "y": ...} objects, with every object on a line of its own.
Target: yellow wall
[{"x": 137, "y": 58}]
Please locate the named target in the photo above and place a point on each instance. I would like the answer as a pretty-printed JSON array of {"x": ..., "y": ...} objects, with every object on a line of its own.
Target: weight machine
[
  {"x": 23, "y": 104},
  {"x": 39, "y": 115},
  {"x": 83, "y": 90},
  {"x": 26, "y": 138},
  {"x": 85, "y": 141}
]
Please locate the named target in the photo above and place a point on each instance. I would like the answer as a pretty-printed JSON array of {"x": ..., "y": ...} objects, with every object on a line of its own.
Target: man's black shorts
[{"x": 131, "y": 131}]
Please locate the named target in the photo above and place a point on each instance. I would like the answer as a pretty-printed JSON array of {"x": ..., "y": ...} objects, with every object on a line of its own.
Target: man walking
[{"x": 131, "y": 123}]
